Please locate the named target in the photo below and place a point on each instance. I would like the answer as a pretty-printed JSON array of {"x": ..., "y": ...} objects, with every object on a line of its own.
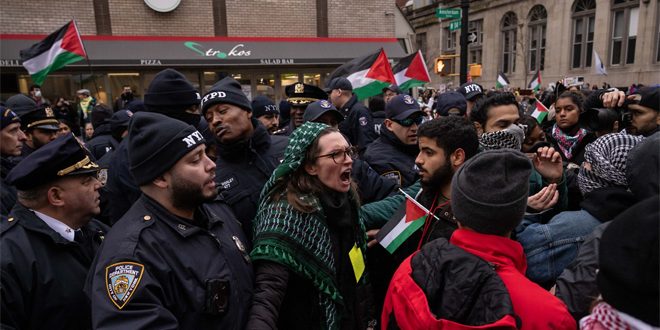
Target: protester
[
  {"x": 124, "y": 98},
  {"x": 35, "y": 94},
  {"x": 86, "y": 102},
  {"x": 50, "y": 239},
  {"x": 309, "y": 242},
  {"x": 393, "y": 154},
  {"x": 178, "y": 258},
  {"x": 246, "y": 153},
  {"x": 65, "y": 111},
  {"x": 457, "y": 280},
  {"x": 534, "y": 135}
]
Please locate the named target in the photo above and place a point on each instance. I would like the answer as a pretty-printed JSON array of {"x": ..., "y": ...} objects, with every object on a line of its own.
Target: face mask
[
  {"x": 37, "y": 93},
  {"x": 127, "y": 96},
  {"x": 511, "y": 137}
]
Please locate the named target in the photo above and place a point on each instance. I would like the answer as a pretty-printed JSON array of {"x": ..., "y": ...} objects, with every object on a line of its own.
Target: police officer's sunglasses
[
  {"x": 339, "y": 156},
  {"x": 409, "y": 121}
]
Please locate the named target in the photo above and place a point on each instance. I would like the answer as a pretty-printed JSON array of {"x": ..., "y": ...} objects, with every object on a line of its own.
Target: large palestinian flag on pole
[
  {"x": 411, "y": 71},
  {"x": 368, "y": 74},
  {"x": 58, "y": 50}
]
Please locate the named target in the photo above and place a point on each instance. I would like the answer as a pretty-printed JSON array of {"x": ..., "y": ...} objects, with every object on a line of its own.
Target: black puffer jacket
[
  {"x": 443, "y": 283},
  {"x": 358, "y": 124},
  {"x": 391, "y": 158}
]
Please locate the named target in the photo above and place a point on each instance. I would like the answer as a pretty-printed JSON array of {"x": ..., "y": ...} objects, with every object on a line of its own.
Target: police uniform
[
  {"x": 44, "y": 264},
  {"x": 7, "y": 192},
  {"x": 157, "y": 270}
]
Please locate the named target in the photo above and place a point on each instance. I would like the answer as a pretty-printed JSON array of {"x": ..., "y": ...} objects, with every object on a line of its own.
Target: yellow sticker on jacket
[{"x": 357, "y": 261}]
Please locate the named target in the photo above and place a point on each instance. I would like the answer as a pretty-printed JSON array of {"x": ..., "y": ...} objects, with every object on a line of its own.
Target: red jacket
[{"x": 536, "y": 307}]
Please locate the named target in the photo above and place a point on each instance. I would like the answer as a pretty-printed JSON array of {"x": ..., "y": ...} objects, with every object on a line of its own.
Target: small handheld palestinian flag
[
  {"x": 406, "y": 220},
  {"x": 411, "y": 71},
  {"x": 502, "y": 80},
  {"x": 368, "y": 74},
  {"x": 540, "y": 112},
  {"x": 56, "y": 51},
  {"x": 535, "y": 84}
]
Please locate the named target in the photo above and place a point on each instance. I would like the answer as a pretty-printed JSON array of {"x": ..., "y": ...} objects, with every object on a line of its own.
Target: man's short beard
[
  {"x": 186, "y": 195},
  {"x": 440, "y": 178}
]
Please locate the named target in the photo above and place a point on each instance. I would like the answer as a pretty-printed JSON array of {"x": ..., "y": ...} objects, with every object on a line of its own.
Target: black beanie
[
  {"x": 489, "y": 192},
  {"x": 170, "y": 92},
  {"x": 228, "y": 91},
  {"x": 100, "y": 114},
  {"x": 21, "y": 104},
  {"x": 156, "y": 142},
  {"x": 628, "y": 261}
]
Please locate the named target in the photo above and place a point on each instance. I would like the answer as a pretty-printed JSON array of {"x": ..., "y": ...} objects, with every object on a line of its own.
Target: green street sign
[
  {"x": 454, "y": 25},
  {"x": 447, "y": 13}
]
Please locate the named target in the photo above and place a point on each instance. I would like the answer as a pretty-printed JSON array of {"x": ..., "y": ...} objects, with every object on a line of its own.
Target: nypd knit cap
[{"x": 156, "y": 142}]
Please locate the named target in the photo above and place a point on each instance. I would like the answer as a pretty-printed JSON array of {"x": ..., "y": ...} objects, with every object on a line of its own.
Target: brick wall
[
  {"x": 134, "y": 17},
  {"x": 271, "y": 18},
  {"x": 364, "y": 18},
  {"x": 45, "y": 16}
]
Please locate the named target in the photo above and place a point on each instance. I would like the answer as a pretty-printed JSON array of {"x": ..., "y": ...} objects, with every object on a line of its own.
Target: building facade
[
  {"x": 559, "y": 38},
  {"x": 265, "y": 44}
]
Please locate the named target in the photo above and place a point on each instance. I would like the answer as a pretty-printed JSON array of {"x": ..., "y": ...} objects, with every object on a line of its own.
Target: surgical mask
[{"x": 37, "y": 93}]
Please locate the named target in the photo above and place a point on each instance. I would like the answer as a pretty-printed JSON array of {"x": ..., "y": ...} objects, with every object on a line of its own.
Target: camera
[{"x": 602, "y": 119}]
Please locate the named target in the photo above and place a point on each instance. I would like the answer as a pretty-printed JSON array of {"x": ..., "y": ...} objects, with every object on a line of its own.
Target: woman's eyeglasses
[
  {"x": 339, "y": 156},
  {"x": 409, "y": 121}
]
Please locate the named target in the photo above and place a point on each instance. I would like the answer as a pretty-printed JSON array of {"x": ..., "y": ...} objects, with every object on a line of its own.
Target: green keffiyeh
[{"x": 300, "y": 241}]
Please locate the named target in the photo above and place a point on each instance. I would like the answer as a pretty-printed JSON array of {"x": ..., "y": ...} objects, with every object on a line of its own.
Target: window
[
  {"x": 538, "y": 17},
  {"x": 448, "y": 40},
  {"x": 420, "y": 40},
  {"x": 584, "y": 19},
  {"x": 509, "y": 28},
  {"x": 474, "y": 48},
  {"x": 625, "y": 14}
]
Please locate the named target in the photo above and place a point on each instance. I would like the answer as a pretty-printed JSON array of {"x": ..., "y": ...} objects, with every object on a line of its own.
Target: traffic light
[{"x": 442, "y": 66}]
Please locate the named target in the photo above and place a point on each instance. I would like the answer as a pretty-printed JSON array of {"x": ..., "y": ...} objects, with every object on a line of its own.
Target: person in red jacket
[{"x": 471, "y": 281}]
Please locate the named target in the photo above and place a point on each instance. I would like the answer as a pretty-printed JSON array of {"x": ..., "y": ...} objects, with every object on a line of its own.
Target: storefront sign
[
  {"x": 150, "y": 62},
  {"x": 238, "y": 50},
  {"x": 277, "y": 61},
  {"x": 9, "y": 63}
]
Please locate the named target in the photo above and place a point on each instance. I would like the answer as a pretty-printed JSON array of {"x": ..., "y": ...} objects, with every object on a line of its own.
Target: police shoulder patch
[
  {"x": 393, "y": 175},
  {"x": 121, "y": 281}
]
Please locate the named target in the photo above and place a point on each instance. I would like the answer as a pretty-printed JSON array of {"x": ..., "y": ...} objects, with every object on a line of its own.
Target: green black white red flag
[
  {"x": 408, "y": 218},
  {"x": 502, "y": 80},
  {"x": 535, "y": 84},
  {"x": 368, "y": 74},
  {"x": 56, "y": 51},
  {"x": 411, "y": 71}
]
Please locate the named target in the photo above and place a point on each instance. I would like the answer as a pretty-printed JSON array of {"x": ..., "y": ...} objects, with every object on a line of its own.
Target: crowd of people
[{"x": 468, "y": 209}]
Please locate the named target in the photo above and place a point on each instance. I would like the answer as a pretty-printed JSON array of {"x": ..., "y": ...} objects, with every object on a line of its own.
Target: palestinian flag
[
  {"x": 411, "y": 71},
  {"x": 58, "y": 50},
  {"x": 535, "y": 84},
  {"x": 406, "y": 220},
  {"x": 540, "y": 112},
  {"x": 368, "y": 74},
  {"x": 502, "y": 80}
]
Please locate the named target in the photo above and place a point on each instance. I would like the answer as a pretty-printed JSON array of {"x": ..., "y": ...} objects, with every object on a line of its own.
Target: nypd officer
[
  {"x": 11, "y": 142},
  {"x": 49, "y": 239},
  {"x": 40, "y": 127},
  {"x": 177, "y": 258}
]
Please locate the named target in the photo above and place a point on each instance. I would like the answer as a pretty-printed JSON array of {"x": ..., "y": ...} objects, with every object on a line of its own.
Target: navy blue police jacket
[
  {"x": 156, "y": 270},
  {"x": 43, "y": 273},
  {"x": 243, "y": 169},
  {"x": 358, "y": 124}
]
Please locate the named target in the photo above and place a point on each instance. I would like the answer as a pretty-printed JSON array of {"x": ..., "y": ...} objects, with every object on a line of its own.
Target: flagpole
[
  {"x": 418, "y": 204},
  {"x": 89, "y": 65}
]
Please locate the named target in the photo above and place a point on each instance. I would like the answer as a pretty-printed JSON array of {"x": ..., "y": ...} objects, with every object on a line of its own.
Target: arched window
[
  {"x": 625, "y": 14},
  {"x": 584, "y": 20},
  {"x": 538, "y": 18},
  {"x": 509, "y": 28}
]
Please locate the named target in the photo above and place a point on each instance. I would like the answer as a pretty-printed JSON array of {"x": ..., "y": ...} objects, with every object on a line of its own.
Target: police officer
[
  {"x": 171, "y": 94},
  {"x": 299, "y": 96},
  {"x": 358, "y": 125},
  {"x": 265, "y": 110},
  {"x": 49, "y": 239},
  {"x": 246, "y": 154},
  {"x": 40, "y": 127},
  {"x": 371, "y": 186},
  {"x": 393, "y": 154},
  {"x": 177, "y": 259},
  {"x": 11, "y": 142}
]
